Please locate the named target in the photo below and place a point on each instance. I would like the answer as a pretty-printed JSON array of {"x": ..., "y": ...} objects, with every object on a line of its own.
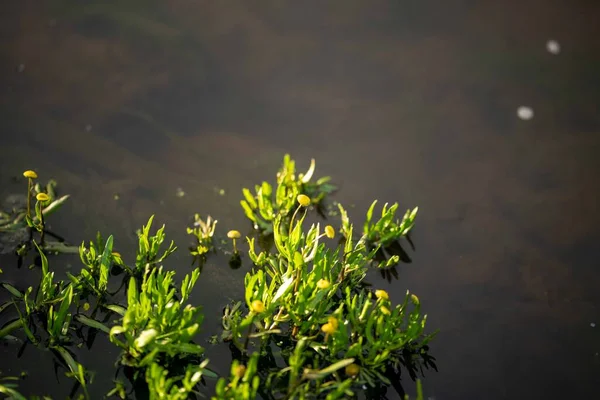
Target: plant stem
[{"x": 29, "y": 197}]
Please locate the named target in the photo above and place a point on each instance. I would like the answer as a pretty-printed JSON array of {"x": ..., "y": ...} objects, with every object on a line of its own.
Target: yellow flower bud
[
  {"x": 86, "y": 306},
  {"x": 257, "y": 306},
  {"x": 385, "y": 310},
  {"x": 382, "y": 294},
  {"x": 328, "y": 328},
  {"x": 234, "y": 234},
  {"x": 323, "y": 284},
  {"x": 352, "y": 370},
  {"x": 329, "y": 232},
  {"x": 333, "y": 322},
  {"x": 304, "y": 200},
  {"x": 240, "y": 371},
  {"x": 42, "y": 197},
  {"x": 30, "y": 174}
]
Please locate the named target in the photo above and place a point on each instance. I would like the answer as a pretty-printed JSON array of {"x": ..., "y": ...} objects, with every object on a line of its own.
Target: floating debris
[
  {"x": 88, "y": 128},
  {"x": 525, "y": 113},
  {"x": 593, "y": 324},
  {"x": 21, "y": 68},
  {"x": 116, "y": 196},
  {"x": 179, "y": 192},
  {"x": 553, "y": 47}
]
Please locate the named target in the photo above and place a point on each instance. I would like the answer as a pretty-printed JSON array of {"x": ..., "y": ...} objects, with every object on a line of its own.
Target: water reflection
[{"x": 399, "y": 101}]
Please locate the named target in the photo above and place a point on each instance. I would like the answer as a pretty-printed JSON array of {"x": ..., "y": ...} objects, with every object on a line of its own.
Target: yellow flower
[
  {"x": 382, "y": 294},
  {"x": 352, "y": 370},
  {"x": 304, "y": 200},
  {"x": 333, "y": 322},
  {"x": 328, "y": 328},
  {"x": 116, "y": 254},
  {"x": 234, "y": 234},
  {"x": 323, "y": 284},
  {"x": 42, "y": 197},
  {"x": 240, "y": 371},
  {"x": 30, "y": 174},
  {"x": 257, "y": 306},
  {"x": 385, "y": 310},
  {"x": 329, "y": 232},
  {"x": 86, "y": 306}
]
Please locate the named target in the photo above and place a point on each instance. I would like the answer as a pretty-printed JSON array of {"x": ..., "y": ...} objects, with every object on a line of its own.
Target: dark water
[{"x": 409, "y": 101}]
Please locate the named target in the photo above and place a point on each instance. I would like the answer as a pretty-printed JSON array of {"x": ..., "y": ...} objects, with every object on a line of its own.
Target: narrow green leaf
[
  {"x": 117, "y": 308},
  {"x": 329, "y": 370},
  {"x": 105, "y": 264},
  {"x": 92, "y": 323},
  {"x": 13, "y": 290}
]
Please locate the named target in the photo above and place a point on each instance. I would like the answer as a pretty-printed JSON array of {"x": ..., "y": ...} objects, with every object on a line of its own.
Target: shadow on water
[{"x": 127, "y": 106}]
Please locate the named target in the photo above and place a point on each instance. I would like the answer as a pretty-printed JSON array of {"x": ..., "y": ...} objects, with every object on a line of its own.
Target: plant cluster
[
  {"x": 309, "y": 325},
  {"x": 264, "y": 205}
]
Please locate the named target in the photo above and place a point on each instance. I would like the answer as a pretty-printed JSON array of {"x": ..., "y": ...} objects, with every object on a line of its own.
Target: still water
[{"x": 408, "y": 101}]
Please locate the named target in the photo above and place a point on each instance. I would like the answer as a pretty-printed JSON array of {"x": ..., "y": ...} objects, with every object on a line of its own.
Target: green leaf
[
  {"x": 283, "y": 289},
  {"x": 329, "y": 370},
  {"x": 132, "y": 293},
  {"x": 61, "y": 315},
  {"x": 105, "y": 264},
  {"x": 92, "y": 323},
  {"x": 306, "y": 178},
  {"x": 13, "y": 290},
  {"x": 117, "y": 308}
]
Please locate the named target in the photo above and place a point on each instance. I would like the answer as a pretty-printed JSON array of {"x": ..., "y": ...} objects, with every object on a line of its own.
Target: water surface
[{"x": 399, "y": 101}]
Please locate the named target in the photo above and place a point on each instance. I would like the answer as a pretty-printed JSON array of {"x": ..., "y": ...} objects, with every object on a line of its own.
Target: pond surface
[{"x": 408, "y": 101}]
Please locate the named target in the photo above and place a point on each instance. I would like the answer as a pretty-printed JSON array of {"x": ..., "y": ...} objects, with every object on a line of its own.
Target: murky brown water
[{"x": 401, "y": 101}]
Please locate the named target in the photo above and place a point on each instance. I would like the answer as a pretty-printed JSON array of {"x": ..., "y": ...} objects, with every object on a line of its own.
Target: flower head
[
  {"x": 352, "y": 370},
  {"x": 233, "y": 234},
  {"x": 329, "y": 232},
  {"x": 382, "y": 294},
  {"x": 240, "y": 371},
  {"x": 303, "y": 200},
  {"x": 323, "y": 284},
  {"x": 257, "y": 306},
  {"x": 42, "y": 197},
  {"x": 30, "y": 174},
  {"x": 328, "y": 328},
  {"x": 333, "y": 322}
]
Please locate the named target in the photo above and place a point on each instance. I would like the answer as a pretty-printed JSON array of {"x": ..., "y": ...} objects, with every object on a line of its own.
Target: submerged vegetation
[{"x": 308, "y": 325}]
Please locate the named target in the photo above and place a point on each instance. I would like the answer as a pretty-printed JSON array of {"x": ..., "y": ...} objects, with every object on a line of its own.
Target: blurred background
[{"x": 482, "y": 113}]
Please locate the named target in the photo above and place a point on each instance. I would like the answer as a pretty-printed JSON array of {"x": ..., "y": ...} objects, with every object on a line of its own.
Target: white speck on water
[
  {"x": 593, "y": 324},
  {"x": 88, "y": 128},
  {"x": 179, "y": 192},
  {"x": 525, "y": 113},
  {"x": 21, "y": 68},
  {"x": 553, "y": 47}
]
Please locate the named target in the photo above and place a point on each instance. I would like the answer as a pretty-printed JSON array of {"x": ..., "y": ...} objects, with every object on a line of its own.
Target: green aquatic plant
[
  {"x": 262, "y": 207},
  {"x": 243, "y": 382},
  {"x": 387, "y": 229},
  {"x": 311, "y": 295},
  {"x": 97, "y": 260},
  {"x": 308, "y": 326},
  {"x": 203, "y": 231},
  {"x": 162, "y": 385},
  {"x": 20, "y": 223},
  {"x": 8, "y": 387},
  {"x": 52, "y": 305},
  {"x": 157, "y": 324}
]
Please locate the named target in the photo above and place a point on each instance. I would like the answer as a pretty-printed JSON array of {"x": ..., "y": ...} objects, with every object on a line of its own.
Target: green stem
[{"x": 29, "y": 197}]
